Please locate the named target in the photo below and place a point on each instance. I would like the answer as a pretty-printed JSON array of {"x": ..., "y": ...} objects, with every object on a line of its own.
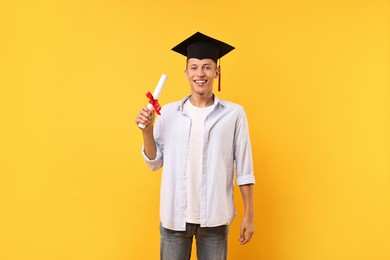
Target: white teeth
[{"x": 200, "y": 81}]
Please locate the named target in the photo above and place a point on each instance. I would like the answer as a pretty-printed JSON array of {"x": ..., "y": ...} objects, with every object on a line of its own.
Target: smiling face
[{"x": 201, "y": 75}]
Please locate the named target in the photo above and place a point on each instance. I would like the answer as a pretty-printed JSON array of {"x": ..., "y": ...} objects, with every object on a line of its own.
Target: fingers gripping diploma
[{"x": 146, "y": 118}]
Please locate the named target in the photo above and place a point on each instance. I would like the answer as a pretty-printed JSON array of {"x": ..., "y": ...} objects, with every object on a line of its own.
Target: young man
[{"x": 201, "y": 141}]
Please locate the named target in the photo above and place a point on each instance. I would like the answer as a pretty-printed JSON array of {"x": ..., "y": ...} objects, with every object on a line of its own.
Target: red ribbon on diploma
[{"x": 154, "y": 102}]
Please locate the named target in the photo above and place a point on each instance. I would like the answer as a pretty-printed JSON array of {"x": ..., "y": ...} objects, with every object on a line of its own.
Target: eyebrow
[{"x": 205, "y": 64}]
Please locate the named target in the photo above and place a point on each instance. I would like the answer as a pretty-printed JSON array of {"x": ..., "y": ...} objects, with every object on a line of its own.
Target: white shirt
[
  {"x": 226, "y": 149},
  {"x": 195, "y": 160}
]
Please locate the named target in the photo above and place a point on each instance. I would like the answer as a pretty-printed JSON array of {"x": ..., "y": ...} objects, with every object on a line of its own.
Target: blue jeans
[{"x": 211, "y": 242}]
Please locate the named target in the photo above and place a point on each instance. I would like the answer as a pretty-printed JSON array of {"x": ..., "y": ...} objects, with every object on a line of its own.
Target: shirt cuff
[
  {"x": 245, "y": 179},
  {"x": 147, "y": 159}
]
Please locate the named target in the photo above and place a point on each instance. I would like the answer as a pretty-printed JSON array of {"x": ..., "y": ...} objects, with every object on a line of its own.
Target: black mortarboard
[{"x": 201, "y": 46}]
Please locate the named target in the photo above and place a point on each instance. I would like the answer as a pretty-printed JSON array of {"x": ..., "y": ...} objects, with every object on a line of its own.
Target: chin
[{"x": 201, "y": 92}]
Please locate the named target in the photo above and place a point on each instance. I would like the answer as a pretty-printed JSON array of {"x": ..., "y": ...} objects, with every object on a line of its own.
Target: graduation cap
[{"x": 201, "y": 46}]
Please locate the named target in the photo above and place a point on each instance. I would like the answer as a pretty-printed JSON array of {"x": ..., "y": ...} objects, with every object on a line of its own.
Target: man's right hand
[{"x": 145, "y": 117}]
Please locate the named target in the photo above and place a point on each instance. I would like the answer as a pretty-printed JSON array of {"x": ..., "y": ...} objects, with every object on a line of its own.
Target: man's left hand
[{"x": 247, "y": 229}]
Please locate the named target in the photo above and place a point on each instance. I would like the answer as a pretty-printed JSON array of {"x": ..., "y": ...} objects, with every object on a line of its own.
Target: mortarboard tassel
[{"x": 219, "y": 77}]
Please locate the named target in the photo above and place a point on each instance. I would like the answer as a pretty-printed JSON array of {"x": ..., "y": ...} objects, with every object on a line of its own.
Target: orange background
[{"x": 313, "y": 77}]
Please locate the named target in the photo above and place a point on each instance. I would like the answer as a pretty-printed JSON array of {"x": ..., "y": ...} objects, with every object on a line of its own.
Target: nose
[{"x": 199, "y": 72}]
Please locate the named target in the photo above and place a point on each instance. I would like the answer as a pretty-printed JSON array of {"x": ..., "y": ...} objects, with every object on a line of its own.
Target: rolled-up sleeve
[
  {"x": 157, "y": 162},
  {"x": 243, "y": 151}
]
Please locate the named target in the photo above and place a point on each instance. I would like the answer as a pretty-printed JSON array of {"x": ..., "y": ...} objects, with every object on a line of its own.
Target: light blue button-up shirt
[{"x": 227, "y": 149}]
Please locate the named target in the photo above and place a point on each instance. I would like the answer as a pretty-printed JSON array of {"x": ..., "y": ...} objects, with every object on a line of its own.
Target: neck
[{"x": 201, "y": 100}]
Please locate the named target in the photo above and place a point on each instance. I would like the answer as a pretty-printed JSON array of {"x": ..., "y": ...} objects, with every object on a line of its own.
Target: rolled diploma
[{"x": 156, "y": 94}]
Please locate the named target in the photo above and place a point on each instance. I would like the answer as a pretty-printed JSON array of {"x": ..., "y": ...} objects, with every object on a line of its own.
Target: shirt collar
[{"x": 180, "y": 106}]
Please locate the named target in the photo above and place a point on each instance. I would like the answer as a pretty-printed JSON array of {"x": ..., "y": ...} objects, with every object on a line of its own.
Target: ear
[
  {"x": 186, "y": 74},
  {"x": 217, "y": 72}
]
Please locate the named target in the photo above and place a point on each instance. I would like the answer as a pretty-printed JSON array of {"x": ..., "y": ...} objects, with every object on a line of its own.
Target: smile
[{"x": 200, "y": 81}]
